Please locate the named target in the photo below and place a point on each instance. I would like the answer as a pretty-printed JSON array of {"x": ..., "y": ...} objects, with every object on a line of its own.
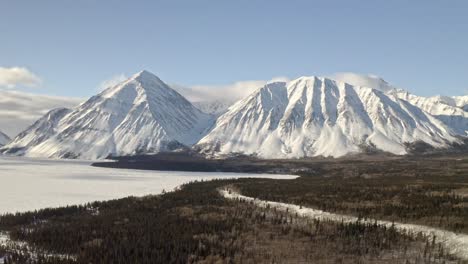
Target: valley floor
[{"x": 196, "y": 224}]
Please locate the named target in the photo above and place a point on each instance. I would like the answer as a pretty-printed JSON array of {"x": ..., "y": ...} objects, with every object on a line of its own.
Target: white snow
[
  {"x": 313, "y": 116},
  {"x": 456, "y": 244},
  {"x": 4, "y": 239},
  {"x": 215, "y": 107},
  {"x": 452, "y": 111},
  {"x": 141, "y": 114},
  {"x": 29, "y": 184},
  {"x": 32, "y": 251},
  {"x": 43, "y": 129},
  {"x": 308, "y": 116}
]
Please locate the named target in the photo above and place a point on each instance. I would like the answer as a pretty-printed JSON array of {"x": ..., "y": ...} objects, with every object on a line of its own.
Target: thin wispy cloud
[
  {"x": 18, "y": 110},
  {"x": 114, "y": 80},
  {"x": 365, "y": 80},
  {"x": 200, "y": 93},
  {"x": 13, "y": 77},
  {"x": 226, "y": 92}
]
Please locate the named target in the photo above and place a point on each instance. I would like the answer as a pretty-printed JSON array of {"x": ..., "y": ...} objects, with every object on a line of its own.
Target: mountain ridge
[
  {"x": 141, "y": 114},
  {"x": 316, "y": 116},
  {"x": 308, "y": 116}
]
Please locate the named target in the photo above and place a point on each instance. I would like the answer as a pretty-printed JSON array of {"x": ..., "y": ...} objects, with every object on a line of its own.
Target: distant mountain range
[{"x": 309, "y": 116}]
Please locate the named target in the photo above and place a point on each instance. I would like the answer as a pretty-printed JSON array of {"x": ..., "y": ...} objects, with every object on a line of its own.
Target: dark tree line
[{"x": 436, "y": 196}]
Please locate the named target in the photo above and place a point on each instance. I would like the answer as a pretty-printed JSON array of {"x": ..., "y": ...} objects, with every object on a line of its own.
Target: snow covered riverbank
[{"x": 456, "y": 244}]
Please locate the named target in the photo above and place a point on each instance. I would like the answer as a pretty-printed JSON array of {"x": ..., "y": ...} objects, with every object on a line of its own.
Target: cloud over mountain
[
  {"x": 369, "y": 80},
  {"x": 233, "y": 91},
  {"x": 114, "y": 80},
  {"x": 18, "y": 110},
  {"x": 18, "y": 76}
]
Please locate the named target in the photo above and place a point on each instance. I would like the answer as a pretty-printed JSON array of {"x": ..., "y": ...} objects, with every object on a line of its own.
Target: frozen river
[{"x": 28, "y": 184}]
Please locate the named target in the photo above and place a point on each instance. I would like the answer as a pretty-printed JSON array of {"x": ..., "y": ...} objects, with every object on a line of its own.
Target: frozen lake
[{"x": 28, "y": 184}]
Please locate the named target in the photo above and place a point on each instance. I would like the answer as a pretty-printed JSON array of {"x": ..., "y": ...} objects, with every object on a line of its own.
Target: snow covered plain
[{"x": 29, "y": 184}]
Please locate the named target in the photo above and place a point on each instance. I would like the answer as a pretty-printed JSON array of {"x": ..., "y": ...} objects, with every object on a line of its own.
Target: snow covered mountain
[
  {"x": 309, "y": 116},
  {"x": 452, "y": 111},
  {"x": 215, "y": 108},
  {"x": 141, "y": 114},
  {"x": 369, "y": 80},
  {"x": 313, "y": 116},
  {"x": 40, "y": 131},
  {"x": 18, "y": 110},
  {"x": 4, "y": 139},
  {"x": 208, "y": 100}
]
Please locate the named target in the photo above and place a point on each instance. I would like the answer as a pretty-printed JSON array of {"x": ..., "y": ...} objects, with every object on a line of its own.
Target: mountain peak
[
  {"x": 139, "y": 115},
  {"x": 148, "y": 80},
  {"x": 143, "y": 82},
  {"x": 145, "y": 75},
  {"x": 319, "y": 116}
]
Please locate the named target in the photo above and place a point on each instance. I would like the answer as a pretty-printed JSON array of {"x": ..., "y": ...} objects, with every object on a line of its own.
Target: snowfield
[
  {"x": 456, "y": 244},
  {"x": 29, "y": 184}
]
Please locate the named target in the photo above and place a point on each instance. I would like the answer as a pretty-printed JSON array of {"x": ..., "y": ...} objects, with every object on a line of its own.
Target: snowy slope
[
  {"x": 452, "y": 111},
  {"x": 461, "y": 102},
  {"x": 141, "y": 114},
  {"x": 214, "y": 101},
  {"x": 40, "y": 131},
  {"x": 216, "y": 107},
  {"x": 4, "y": 139},
  {"x": 309, "y": 116},
  {"x": 313, "y": 116}
]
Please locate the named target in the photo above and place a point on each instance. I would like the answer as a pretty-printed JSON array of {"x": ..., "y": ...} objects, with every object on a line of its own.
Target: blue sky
[{"x": 75, "y": 45}]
